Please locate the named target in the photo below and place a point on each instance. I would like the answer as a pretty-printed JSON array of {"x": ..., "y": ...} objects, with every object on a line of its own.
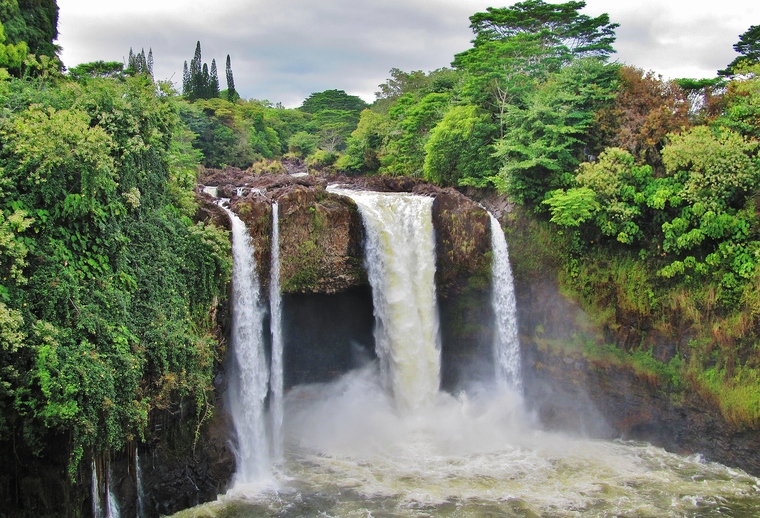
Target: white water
[
  {"x": 249, "y": 381},
  {"x": 349, "y": 451},
  {"x": 138, "y": 482},
  {"x": 506, "y": 345},
  {"x": 400, "y": 261},
  {"x": 276, "y": 370},
  {"x": 97, "y": 508},
  {"x": 113, "y": 505},
  {"x": 100, "y": 509}
]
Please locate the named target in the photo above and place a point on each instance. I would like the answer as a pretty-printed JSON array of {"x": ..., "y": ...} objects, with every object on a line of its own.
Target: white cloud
[{"x": 284, "y": 50}]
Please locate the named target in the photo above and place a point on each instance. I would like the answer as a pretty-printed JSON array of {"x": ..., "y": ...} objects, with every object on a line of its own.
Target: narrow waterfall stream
[
  {"x": 106, "y": 507},
  {"x": 275, "y": 312},
  {"x": 140, "y": 511},
  {"x": 383, "y": 440},
  {"x": 249, "y": 379},
  {"x": 506, "y": 342}
]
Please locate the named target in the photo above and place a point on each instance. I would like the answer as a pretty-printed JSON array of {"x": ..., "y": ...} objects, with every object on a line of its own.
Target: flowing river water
[{"x": 383, "y": 441}]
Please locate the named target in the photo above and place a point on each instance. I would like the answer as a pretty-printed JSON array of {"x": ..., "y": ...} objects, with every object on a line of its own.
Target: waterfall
[
  {"x": 138, "y": 482},
  {"x": 100, "y": 509},
  {"x": 400, "y": 261},
  {"x": 275, "y": 304},
  {"x": 506, "y": 345},
  {"x": 97, "y": 508},
  {"x": 249, "y": 381},
  {"x": 113, "y": 505}
]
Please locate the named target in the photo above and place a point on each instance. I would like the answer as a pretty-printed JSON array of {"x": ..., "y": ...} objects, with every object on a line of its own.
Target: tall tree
[
  {"x": 748, "y": 48},
  {"x": 517, "y": 47},
  {"x": 198, "y": 82},
  {"x": 150, "y": 62},
  {"x": 185, "y": 79},
  {"x": 213, "y": 82},
  {"x": 232, "y": 94},
  {"x": 34, "y": 22}
]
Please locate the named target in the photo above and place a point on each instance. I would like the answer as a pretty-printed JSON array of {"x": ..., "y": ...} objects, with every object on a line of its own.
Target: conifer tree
[
  {"x": 185, "y": 80},
  {"x": 198, "y": 82},
  {"x": 213, "y": 83},
  {"x": 232, "y": 94}
]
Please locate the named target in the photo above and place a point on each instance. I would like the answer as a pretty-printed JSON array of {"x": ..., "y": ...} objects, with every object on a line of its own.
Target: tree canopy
[
  {"x": 748, "y": 48},
  {"x": 332, "y": 100}
]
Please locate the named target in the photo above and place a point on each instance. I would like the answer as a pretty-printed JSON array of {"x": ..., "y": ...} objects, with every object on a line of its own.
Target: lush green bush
[{"x": 106, "y": 282}]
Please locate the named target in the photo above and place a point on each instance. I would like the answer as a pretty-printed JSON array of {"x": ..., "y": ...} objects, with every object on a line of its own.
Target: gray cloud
[{"x": 284, "y": 50}]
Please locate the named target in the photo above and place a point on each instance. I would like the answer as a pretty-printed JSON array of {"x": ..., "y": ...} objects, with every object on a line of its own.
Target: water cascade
[
  {"x": 138, "y": 482},
  {"x": 400, "y": 261},
  {"x": 385, "y": 441},
  {"x": 276, "y": 370},
  {"x": 97, "y": 506},
  {"x": 113, "y": 505},
  {"x": 249, "y": 379},
  {"x": 103, "y": 509},
  {"x": 506, "y": 345}
]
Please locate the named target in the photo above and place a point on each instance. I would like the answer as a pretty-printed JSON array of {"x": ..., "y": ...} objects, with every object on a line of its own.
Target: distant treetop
[
  {"x": 332, "y": 100},
  {"x": 748, "y": 48}
]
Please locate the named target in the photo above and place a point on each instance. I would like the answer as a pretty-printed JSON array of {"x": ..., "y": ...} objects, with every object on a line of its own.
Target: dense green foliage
[
  {"x": 748, "y": 48},
  {"x": 644, "y": 192},
  {"x": 106, "y": 281}
]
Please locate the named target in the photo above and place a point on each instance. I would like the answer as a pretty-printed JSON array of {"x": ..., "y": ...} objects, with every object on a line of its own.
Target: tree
[
  {"x": 646, "y": 109},
  {"x": 748, "y": 48},
  {"x": 198, "y": 82},
  {"x": 12, "y": 56},
  {"x": 213, "y": 82},
  {"x": 705, "y": 96},
  {"x": 97, "y": 69},
  {"x": 547, "y": 136},
  {"x": 458, "y": 150},
  {"x": 742, "y": 112},
  {"x": 34, "y": 22},
  {"x": 563, "y": 32},
  {"x": 333, "y": 100},
  {"x": 140, "y": 63},
  {"x": 232, "y": 94},
  {"x": 363, "y": 153},
  {"x": 334, "y": 127},
  {"x": 517, "y": 47},
  {"x": 411, "y": 122}
]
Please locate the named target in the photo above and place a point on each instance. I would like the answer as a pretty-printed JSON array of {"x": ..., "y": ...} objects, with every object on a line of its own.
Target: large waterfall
[
  {"x": 249, "y": 379},
  {"x": 506, "y": 343},
  {"x": 385, "y": 442},
  {"x": 400, "y": 261}
]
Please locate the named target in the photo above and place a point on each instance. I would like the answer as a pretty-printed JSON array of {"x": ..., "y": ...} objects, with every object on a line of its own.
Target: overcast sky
[{"x": 283, "y": 50}]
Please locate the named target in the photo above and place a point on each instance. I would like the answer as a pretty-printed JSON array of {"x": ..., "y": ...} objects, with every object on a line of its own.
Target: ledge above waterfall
[{"x": 321, "y": 234}]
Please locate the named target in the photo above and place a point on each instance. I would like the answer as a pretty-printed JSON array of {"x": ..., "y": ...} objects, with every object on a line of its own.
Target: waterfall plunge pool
[
  {"x": 350, "y": 452},
  {"x": 382, "y": 440}
]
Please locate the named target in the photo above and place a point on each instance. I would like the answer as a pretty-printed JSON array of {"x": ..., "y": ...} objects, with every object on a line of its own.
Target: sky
[{"x": 284, "y": 50}]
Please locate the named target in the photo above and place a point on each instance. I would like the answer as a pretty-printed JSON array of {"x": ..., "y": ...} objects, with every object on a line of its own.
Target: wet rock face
[
  {"x": 602, "y": 400},
  {"x": 463, "y": 243},
  {"x": 320, "y": 241},
  {"x": 321, "y": 233}
]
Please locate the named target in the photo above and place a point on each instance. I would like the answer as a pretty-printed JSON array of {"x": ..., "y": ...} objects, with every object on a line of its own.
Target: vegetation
[
  {"x": 644, "y": 193},
  {"x": 97, "y": 175}
]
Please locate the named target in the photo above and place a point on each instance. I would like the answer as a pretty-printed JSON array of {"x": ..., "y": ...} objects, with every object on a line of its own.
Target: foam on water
[{"x": 350, "y": 452}]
